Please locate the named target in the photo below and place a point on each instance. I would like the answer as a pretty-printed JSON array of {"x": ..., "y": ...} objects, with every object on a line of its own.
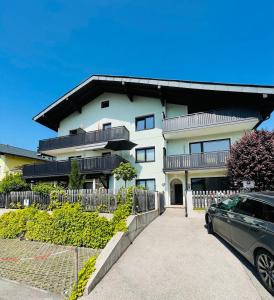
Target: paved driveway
[{"x": 175, "y": 258}]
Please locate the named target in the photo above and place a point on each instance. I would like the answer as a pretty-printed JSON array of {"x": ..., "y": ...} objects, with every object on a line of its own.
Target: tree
[
  {"x": 252, "y": 158},
  {"x": 125, "y": 171},
  {"x": 76, "y": 180},
  {"x": 13, "y": 182}
]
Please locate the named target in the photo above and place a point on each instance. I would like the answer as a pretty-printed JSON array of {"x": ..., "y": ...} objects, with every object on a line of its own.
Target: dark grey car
[{"x": 246, "y": 221}]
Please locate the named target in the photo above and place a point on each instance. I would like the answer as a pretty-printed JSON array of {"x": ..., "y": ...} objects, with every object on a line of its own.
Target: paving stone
[{"x": 41, "y": 265}]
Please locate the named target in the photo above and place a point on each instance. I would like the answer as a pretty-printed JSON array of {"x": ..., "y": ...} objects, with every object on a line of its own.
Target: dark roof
[
  {"x": 7, "y": 149},
  {"x": 267, "y": 196},
  {"x": 202, "y": 94}
]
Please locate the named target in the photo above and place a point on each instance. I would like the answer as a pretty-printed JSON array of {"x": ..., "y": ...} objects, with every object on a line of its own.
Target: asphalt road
[
  {"x": 10, "y": 290},
  {"x": 175, "y": 258}
]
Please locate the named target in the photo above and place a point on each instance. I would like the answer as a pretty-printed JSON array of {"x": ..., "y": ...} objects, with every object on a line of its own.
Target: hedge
[{"x": 67, "y": 225}]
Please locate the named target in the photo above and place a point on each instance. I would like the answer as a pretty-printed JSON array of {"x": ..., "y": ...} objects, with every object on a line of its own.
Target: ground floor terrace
[{"x": 178, "y": 182}]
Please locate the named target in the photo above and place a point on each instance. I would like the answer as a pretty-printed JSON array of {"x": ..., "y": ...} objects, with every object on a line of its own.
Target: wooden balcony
[
  {"x": 115, "y": 138},
  {"x": 92, "y": 165},
  {"x": 210, "y": 122},
  {"x": 206, "y": 160}
]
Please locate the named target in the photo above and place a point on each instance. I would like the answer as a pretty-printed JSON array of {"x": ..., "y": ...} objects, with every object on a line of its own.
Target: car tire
[
  {"x": 209, "y": 225},
  {"x": 265, "y": 268}
]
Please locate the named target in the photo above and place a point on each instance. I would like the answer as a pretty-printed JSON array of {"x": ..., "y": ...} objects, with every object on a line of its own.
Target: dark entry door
[{"x": 178, "y": 193}]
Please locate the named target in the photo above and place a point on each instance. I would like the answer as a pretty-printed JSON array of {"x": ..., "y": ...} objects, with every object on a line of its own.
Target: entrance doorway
[{"x": 176, "y": 192}]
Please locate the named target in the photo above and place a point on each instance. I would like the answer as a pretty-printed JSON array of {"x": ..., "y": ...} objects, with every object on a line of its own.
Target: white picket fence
[{"x": 203, "y": 199}]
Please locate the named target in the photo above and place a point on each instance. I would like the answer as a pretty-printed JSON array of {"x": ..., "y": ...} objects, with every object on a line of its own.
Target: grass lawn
[{"x": 42, "y": 265}]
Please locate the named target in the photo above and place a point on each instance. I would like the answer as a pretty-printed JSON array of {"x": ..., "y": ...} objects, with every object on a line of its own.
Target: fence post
[
  {"x": 76, "y": 269},
  {"x": 189, "y": 203},
  {"x": 6, "y": 200},
  {"x": 157, "y": 202}
]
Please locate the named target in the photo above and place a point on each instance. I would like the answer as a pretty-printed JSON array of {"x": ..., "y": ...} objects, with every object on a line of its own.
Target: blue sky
[{"x": 47, "y": 47}]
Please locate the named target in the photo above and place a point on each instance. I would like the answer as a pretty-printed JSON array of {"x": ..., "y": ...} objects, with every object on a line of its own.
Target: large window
[
  {"x": 210, "y": 146},
  {"x": 210, "y": 184},
  {"x": 143, "y": 123},
  {"x": 145, "y": 154},
  {"x": 148, "y": 184}
]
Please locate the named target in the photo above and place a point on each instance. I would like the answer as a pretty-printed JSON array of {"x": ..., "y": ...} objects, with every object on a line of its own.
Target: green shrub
[
  {"x": 14, "y": 223},
  {"x": 67, "y": 225},
  {"x": 40, "y": 227},
  {"x": 97, "y": 232},
  {"x": 13, "y": 182},
  {"x": 83, "y": 277},
  {"x": 44, "y": 188}
]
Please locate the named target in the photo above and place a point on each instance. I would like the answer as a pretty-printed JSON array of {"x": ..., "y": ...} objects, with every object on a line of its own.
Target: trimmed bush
[
  {"x": 14, "y": 223},
  {"x": 67, "y": 225}
]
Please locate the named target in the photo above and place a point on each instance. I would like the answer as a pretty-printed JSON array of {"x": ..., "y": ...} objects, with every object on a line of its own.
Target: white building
[{"x": 177, "y": 134}]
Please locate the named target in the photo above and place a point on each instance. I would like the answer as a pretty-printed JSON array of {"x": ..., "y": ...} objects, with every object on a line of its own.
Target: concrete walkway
[
  {"x": 10, "y": 290},
  {"x": 175, "y": 258}
]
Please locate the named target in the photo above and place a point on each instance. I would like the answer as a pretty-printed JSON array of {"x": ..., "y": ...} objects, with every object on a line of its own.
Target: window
[
  {"x": 148, "y": 184},
  {"x": 104, "y": 104},
  {"x": 106, "y": 126},
  {"x": 74, "y": 157},
  {"x": 145, "y": 154},
  {"x": 210, "y": 146},
  {"x": 106, "y": 153},
  {"x": 229, "y": 203},
  {"x": 268, "y": 213},
  {"x": 143, "y": 123},
  {"x": 76, "y": 131},
  {"x": 210, "y": 184},
  {"x": 250, "y": 208},
  {"x": 255, "y": 209}
]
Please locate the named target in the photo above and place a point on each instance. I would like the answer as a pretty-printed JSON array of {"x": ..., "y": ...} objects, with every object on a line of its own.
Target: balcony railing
[
  {"x": 210, "y": 118},
  {"x": 92, "y": 165},
  {"x": 86, "y": 138},
  {"x": 204, "y": 160}
]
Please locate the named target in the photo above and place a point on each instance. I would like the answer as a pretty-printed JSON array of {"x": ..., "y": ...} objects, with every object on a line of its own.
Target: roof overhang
[{"x": 174, "y": 91}]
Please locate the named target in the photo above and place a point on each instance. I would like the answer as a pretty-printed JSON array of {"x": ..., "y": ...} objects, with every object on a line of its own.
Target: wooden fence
[
  {"x": 101, "y": 200},
  {"x": 203, "y": 199}
]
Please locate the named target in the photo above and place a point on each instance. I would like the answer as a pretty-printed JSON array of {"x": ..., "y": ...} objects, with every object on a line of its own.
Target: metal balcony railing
[
  {"x": 210, "y": 118},
  {"x": 91, "y": 165},
  {"x": 203, "y": 160},
  {"x": 85, "y": 138}
]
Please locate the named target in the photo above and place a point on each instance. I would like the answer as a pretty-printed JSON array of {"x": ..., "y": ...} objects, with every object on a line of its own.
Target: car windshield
[{"x": 229, "y": 203}]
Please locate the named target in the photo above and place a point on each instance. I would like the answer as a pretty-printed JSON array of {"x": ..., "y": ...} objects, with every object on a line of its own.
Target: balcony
[
  {"x": 115, "y": 138},
  {"x": 206, "y": 160},
  {"x": 92, "y": 165},
  {"x": 210, "y": 122}
]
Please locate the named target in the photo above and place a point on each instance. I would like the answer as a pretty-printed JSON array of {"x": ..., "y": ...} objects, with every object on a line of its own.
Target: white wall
[
  {"x": 175, "y": 110},
  {"x": 122, "y": 112},
  {"x": 181, "y": 146}
]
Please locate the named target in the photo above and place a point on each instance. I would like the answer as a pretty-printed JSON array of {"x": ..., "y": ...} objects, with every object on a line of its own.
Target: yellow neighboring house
[{"x": 12, "y": 159}]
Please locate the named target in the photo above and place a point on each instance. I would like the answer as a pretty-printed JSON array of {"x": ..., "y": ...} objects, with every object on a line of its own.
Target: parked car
[{"x": 246, "y": 221}]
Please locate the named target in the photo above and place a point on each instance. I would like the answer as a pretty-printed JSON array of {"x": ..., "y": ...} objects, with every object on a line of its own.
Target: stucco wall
[
  {"x": 122, "y": 112},
  {"x": 175, "y": 110},
  {"x": 10, "y": 162},
  {"x": 181, "y": 146}
]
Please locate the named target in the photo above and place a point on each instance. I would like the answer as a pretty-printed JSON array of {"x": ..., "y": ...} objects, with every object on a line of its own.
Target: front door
[{"x": 178, "y": 189}]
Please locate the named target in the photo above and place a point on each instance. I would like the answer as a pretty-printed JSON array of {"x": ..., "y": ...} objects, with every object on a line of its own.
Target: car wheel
[
  {"x": 209, "y": 225},
  {"x": 265, "y": 268}
]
